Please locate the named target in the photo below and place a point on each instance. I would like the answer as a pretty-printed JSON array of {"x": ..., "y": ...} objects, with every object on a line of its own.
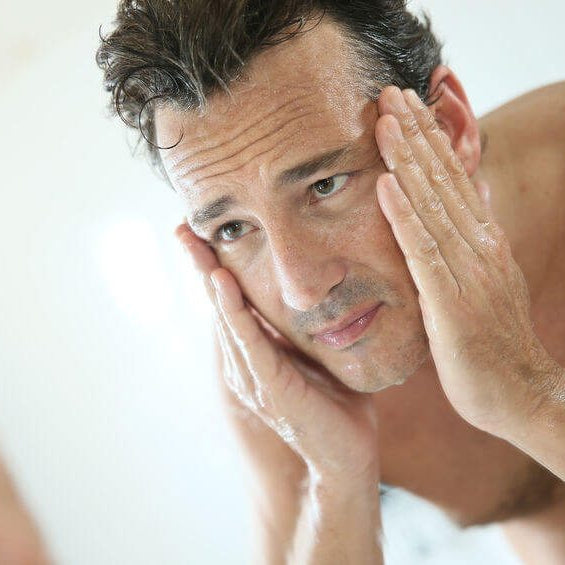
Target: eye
[
  {"x": 232, "y": 231},
  {"x": 328, "y": 187}
]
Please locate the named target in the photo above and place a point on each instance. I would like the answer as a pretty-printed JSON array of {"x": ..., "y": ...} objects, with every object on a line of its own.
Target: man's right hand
[
  {"x": 332, "y": 428},
  {"x": 299, "y": 425}
]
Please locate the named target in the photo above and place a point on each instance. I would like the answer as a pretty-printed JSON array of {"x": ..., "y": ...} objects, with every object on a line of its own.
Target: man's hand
[
  {"x": 331, "y": 428},
  {"x": 473, "y": 295}
]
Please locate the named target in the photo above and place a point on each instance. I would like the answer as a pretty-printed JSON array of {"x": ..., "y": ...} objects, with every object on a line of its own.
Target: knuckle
[
  {"x": 497, "y": 232},
  {"x": 443, "y": 139},
  {"x": 410, "y": 126},
  {"x": 406, "y": 215},
  {"x": 419, "y": 175},
  {"x": 432, "y": 206},
  {"x": 456, "y": 167},
  {"x": 502, "y": 246},
  {"x": 437, "y": 270},
  {"x": 427, "y": 121},
  {"x": 449, "y": 229},
  {"x": 494, "y": 241},
  {"x": 404, "y": 154},
  {"x": 438, "y": 173},
  {"x": 427, "y": 250}
]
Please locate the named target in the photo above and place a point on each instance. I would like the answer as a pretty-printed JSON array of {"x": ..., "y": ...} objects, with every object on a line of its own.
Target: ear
[{"x": 455, "y": 116}]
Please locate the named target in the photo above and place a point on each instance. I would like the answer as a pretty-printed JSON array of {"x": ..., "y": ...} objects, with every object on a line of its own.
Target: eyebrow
[
  {"x": 211, "y": 211},
  {"x": 302, "y": 171},
  {"x": 311, "y": 166}
]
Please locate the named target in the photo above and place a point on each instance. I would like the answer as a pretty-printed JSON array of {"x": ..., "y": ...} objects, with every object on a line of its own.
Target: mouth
[{"x": 348, "y": 330}]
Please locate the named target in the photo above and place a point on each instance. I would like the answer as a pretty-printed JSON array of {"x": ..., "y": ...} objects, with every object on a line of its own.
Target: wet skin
[
  {"x": 306, "y": 261},
  {"x": 307, "y": 256}
]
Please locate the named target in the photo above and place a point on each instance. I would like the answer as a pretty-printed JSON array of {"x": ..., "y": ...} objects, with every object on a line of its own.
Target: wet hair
[{"x": 180, "y": 52}]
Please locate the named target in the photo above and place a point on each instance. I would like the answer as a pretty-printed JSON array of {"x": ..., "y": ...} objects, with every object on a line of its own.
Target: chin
[{"x": 371, "y": 366}]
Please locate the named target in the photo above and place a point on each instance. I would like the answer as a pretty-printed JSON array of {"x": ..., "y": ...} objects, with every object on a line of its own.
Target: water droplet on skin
[
  {"x": 352, "y": 368},
  {"x": 286, "y": 431}
]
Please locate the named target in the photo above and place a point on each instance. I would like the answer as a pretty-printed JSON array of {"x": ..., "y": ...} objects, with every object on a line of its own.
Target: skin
[
  {"x": 303, "y": 264},
  {"x": 20, "y": 541},
  {"x": 302, "y": 250}
]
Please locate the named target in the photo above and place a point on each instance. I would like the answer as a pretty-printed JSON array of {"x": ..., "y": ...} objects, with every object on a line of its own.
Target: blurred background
[{"x": 109, "y": 412}]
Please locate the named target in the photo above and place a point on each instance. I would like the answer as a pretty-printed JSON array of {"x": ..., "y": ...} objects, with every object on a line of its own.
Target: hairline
[{"x": 355, "y": 57}]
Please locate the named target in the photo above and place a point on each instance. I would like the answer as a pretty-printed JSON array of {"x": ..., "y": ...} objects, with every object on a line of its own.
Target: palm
[
  {"x": 331, "y": 427},
  {"x": 321, "y": 419}
]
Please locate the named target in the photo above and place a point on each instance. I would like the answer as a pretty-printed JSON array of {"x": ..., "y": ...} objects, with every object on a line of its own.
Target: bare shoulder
[
  {"x": 539, "y": 113},
  {"x": 550, "y": 92},
  {"x": 533, "y": 127}
]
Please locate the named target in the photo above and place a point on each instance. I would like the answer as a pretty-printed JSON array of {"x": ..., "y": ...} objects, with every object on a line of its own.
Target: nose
[{"x": 306, "y": 268}]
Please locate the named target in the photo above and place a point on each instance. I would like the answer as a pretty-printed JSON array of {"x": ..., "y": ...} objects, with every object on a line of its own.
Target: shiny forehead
[{"x": 298, "y": 100}]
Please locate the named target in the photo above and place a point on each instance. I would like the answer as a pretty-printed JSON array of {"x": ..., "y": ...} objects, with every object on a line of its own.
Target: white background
[{"x": 109, "y": 417}]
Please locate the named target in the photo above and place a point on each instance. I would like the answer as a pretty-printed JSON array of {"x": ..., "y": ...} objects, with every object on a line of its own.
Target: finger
[
  {"x": 202, "y": 256},
  {"x": 419, "y": 124},
  {"x": 420, "y": 130},
  {"x": 441, "y": 145},
  {"x": 235, "y": 373},
  {"x": 439, "y": 231},
  {"x": 262, "y": 361},
  {"x": 430, "y": 272},
  {"x": 440, "y": 165}
]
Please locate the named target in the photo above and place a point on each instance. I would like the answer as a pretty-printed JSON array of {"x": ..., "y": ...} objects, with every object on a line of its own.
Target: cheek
[
  {"x": 359, "y": 234},
  {"x": 259, "y": 287},
  {"x": 363, "y": 235}
]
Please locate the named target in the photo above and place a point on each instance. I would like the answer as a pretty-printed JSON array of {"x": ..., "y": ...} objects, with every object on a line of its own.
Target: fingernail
[
  {"x": 414, "y": 98},
  {"x": 397, "y": 101},
  {"x": 393, "y": 129}
]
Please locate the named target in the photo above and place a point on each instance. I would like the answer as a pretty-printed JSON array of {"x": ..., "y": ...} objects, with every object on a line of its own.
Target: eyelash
[
  {"x": 217, "y": 237},
  {"x": 340, "y": 189}
]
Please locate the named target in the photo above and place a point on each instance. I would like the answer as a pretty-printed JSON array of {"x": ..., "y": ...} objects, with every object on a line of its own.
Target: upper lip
[{"x": 347, "y": 320}]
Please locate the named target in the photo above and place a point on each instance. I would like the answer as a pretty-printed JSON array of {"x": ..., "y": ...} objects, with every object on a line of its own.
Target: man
[{"x": 352, "y": 238}]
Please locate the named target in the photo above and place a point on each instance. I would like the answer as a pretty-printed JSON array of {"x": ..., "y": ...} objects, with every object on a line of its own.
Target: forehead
[{"x": 297, "y": 98}]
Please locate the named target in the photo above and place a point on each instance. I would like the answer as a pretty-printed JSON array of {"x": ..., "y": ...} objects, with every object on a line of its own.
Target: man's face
[{"x": 281, "y": 180}]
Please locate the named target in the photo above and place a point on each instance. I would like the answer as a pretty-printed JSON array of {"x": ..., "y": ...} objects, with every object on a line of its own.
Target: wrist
[
  {"x": 366, "y": 474},
  {"x": 357, "y": 494},
  {"x": 340, "y": 516},
  {"x": 322, "y": 485},
  {"x": 543, "y": 395}
]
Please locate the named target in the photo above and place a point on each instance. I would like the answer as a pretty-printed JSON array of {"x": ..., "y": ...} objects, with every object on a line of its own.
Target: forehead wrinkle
[
  {"x": 196, "y": 179},
  {"x": 258, "y": 121},
  {"x": 243, "y": 165}
]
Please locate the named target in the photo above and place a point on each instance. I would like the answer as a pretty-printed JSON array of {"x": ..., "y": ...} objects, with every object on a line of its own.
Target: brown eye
[
  {"x": 327, "y": 187},
  {"x": 232, "y": 231}
]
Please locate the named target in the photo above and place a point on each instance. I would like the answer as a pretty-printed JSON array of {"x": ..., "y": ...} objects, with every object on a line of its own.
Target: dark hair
[{"x": 179, "y": 52}]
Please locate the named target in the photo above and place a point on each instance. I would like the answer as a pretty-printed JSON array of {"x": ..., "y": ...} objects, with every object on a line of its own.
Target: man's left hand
[{"x": 473, "y": 295}]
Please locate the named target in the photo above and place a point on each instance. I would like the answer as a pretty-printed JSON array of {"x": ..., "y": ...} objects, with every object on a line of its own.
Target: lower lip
[{"x": 350, "y": 334}]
